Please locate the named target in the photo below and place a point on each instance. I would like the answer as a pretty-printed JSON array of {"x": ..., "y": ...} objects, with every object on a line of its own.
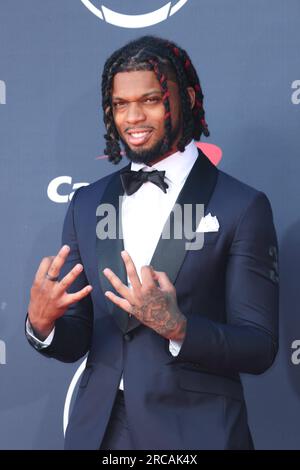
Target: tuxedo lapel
[
  {"x": 198, "y": 188},
  {"x": 109, "y": 251}
]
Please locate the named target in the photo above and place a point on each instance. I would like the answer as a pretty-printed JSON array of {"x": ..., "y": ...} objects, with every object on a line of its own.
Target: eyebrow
[{"x": 144, "y": 95}]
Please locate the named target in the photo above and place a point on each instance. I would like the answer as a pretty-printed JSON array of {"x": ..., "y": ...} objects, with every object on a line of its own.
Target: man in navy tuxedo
[{"x": 168, "y": 325}]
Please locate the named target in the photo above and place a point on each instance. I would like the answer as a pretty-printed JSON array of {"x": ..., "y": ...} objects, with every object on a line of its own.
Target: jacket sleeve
[
  {"x": 73, "y": 330},
  {"x": 248, "y": 341}
]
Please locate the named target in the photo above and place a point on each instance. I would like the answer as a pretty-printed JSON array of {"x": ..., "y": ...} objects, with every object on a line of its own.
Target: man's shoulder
[
  {"x": 234, "y": 188},
  {"x": 234, "y": 201},
  {"x": 236, "y": 197}
]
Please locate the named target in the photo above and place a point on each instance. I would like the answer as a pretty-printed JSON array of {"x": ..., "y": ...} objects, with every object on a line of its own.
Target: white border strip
[
  {"x": 70, "y": 394},
  {"x": 177, "y": 7},
  {"x": 93, "y": 9}
]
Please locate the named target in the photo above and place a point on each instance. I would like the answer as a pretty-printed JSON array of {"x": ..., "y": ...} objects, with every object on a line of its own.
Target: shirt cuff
[
  {"x": 34, "y": 340},
  {"x": 174, "y": 347}
]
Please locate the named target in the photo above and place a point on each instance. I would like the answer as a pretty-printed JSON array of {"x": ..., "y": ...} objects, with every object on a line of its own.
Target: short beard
[{"x": 152, "y": 154}]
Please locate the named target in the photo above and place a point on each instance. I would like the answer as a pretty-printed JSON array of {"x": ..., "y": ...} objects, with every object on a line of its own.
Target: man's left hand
[{"x": 152, "y": 301}]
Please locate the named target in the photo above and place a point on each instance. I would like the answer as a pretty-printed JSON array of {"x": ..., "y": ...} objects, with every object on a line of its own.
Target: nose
[{"x": 135, "y": 113}]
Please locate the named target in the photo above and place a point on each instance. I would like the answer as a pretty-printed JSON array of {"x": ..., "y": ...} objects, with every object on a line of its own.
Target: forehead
[{"x": 134, "y": 83}]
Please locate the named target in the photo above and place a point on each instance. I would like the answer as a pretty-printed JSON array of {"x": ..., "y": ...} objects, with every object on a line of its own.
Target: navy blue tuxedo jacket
[{"x": 228, "y": 291}]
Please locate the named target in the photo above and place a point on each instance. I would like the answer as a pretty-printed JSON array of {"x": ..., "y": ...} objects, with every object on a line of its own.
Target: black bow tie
[{"x": 133, "y": 180}]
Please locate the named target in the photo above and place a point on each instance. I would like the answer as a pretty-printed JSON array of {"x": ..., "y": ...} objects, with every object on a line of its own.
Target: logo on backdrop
[
  {"x": 295, "y": 357},
  {"x": 296, "y": 94},
  {"x": 2, "y": 92},
  {"x": 56, "y": 192},
  {"x": 2, "y": 352},
  {"x": 135, "y": 21}
]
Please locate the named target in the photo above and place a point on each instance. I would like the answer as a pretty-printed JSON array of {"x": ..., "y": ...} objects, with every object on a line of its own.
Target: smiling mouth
[{"x": 138, "y": 137}]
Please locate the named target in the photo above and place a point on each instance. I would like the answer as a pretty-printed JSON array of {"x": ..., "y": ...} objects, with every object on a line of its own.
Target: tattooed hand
[{"x": 152, "y": 301}]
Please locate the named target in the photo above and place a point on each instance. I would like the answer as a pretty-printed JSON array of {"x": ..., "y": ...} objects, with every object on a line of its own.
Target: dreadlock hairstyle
[{"x": 168, "y": 61}]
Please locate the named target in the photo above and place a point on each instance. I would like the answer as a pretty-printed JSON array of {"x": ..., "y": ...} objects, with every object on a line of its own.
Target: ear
[{"x": 192, "y": 95}]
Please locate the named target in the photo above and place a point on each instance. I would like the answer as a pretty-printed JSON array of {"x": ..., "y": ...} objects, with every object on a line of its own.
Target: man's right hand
[{"x": 48, "y": 298}]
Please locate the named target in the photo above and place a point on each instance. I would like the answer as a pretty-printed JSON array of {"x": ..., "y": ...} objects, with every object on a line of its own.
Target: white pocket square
[{"x": 208, "y": 223}]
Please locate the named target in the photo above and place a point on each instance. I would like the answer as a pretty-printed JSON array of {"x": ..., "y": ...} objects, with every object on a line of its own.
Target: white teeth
[{"x": 139, "y": 135}]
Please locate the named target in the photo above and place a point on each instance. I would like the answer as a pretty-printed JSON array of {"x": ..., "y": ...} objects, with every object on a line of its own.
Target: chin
[
  {"x": 140, "y": 150},
  {"x": 143, "y": 154}
]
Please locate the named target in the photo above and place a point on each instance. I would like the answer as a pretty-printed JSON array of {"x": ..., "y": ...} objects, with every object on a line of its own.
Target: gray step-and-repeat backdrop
[{"x": 51, "y": 142}]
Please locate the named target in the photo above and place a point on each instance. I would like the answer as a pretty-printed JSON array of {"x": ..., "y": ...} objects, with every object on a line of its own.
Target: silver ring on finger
[{"x": 51, "y": 278}]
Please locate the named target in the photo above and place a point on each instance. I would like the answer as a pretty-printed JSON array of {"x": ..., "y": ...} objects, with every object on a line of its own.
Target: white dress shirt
[{"x": 144, "y": 214}]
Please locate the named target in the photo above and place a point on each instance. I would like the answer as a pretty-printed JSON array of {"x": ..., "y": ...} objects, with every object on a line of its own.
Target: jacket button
[{"x": 127, "y": 337}]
